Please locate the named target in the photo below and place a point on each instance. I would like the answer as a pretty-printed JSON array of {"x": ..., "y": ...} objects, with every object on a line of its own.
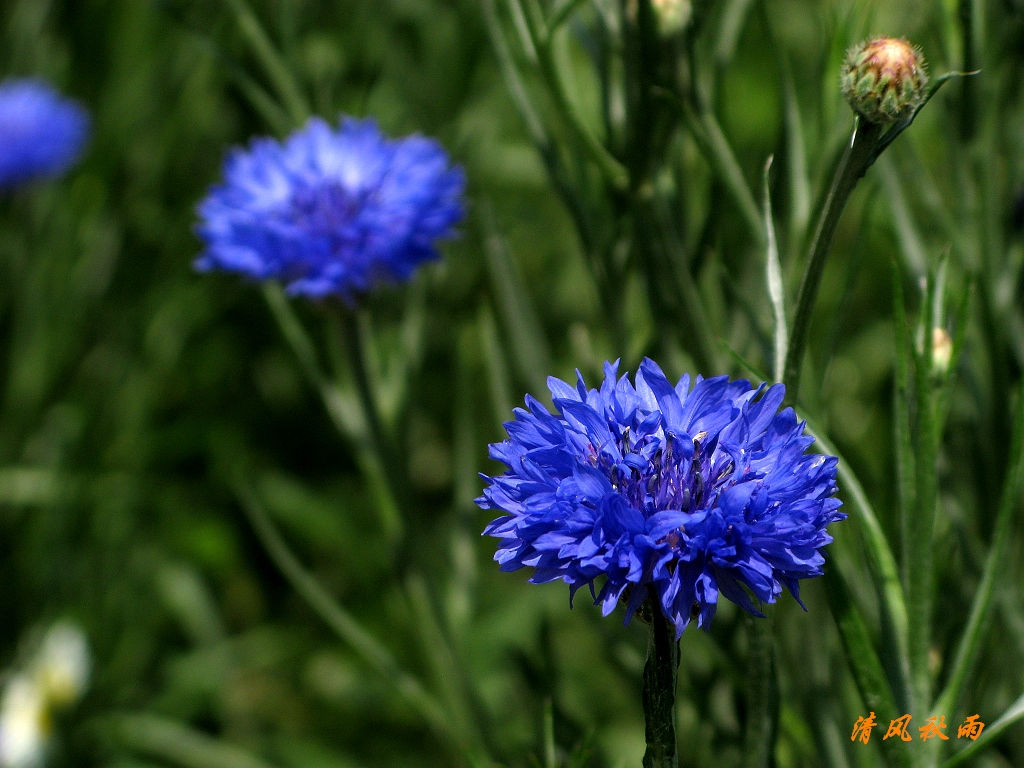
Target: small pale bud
[
  {"x": 942, "y": 350},
  {"x": 884, "y": 79},
  {"x": 671, "y": 15}
]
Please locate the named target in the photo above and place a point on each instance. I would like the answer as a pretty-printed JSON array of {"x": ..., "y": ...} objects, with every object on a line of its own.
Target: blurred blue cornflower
[
  {"x": 689, "y": 494},
  {"x": 41, "y": 133},
  {"x": 331, "y": 211}
]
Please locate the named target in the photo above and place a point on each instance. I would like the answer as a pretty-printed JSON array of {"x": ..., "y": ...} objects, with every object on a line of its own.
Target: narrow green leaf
[
  {"x": 744, "y": 364},
  {"x": 497, "y": 368},
  {"x": 905, "y": 459},
  {"x": 177, "y": 743},
  {"x": 273, "y": 115},
  {"x": 561, "y": 13},
  {"x": 350, "y": 415},
  {"x": 188, "y": 599},
  {"x": 711, "y": 140},
  {"x": 449, "y": 674},
  {"x": 522, "y": 325},
  {"x": 977, "y": 624},
  {"x": 614, "y": 172},
  {"x": 733, "y": 20},
  {"x": 911, "y": 245},
  {"x": 990, "y": 734},
  {"x": 920, "y": 526},
  {"x": 371, "y": 650},
  {"x": 549, "y": 734},
  {"x": 901, "y": 125},
  {"x": 282, "y": 78},
  {"x": 864, "y": 664},
  {"x": 393, "y": 388},
  {"x": 881, "y": 562},
  {"x": 776, "y": 289},
  {"x": 799, "y": 180},
  {"x": 510, "y": 74}
]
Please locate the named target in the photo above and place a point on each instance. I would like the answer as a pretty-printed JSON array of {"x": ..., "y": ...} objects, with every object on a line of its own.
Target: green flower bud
[{"x": 884, "y": 79}]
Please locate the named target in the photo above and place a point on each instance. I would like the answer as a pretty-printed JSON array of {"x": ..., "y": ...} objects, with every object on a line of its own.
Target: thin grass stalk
[
  {"x": 373, "y": 653},
  {"x": 350, "y": 422},
  {"x": 981, "y": 609},
  {"x": 921, "y": 520}
]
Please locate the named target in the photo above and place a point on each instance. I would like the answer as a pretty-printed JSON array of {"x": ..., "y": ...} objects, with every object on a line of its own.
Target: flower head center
[{"x": 659, "y": 474}]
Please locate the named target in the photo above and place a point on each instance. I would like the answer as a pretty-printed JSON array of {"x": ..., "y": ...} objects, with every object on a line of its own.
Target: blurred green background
[{"x": 132, "y": 387}]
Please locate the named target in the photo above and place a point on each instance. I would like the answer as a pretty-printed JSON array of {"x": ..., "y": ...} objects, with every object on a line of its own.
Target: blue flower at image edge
[
  {"x": 659, "y": 490},
  {"x": 331, "y": 211},
  {"x": 42, "y": 134}
]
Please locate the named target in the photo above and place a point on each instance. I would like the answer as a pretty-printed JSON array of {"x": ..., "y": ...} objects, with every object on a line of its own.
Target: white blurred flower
[
  {"x": 24, "y": 725},
  {"x": 55, "y": 677},
  {"x": 63, "y": 665}
]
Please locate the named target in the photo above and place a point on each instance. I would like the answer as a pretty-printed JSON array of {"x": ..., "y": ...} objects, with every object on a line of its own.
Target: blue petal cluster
[
  {"x": 658, "y": 490},
  {"x": 41, "y": 133},
  {"x": 331, "y": 211}
]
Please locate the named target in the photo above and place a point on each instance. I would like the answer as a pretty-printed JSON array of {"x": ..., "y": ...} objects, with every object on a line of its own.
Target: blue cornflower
[
  {"x": 658, "y": 490},
  {"x": 41, "y": 133},
  {"x": 331, "y": 211}
]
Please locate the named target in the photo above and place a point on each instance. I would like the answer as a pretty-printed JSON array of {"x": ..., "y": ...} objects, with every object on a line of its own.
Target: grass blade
[
  {"x": 528, "y": 343},
  {"x": 990, "y": 734},
  {"x": 776, "y": 289},
  {"x": 864, "y": 663},
  {"x": 373, "y": 653},
  {"x": 977, "y": 624},
  {"x": 881, "y": 562},
  {"x": 178, "y": 744}
]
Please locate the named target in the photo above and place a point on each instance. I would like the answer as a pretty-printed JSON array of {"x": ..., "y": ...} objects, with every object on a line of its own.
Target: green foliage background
[{"x": 133, "y": 389}]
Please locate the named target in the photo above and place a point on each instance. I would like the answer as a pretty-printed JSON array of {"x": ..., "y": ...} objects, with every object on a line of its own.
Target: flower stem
[
  {"x": 349, "y": 419},
  {"x": 762, "y": 696},
  {"x": 659, "y": 694},
  {"x": 381, "y": 452},
  {"x": 858, "y": 156}
]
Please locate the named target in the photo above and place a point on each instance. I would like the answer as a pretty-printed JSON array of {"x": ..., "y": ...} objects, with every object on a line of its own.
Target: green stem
[
  {"x": 860, "y": 653},
  {"x": 613, "y": 171},
  {"x": 921, "y": 520},
  {"x": 276, "y": 69},
  {"x": 714, "y": 145},
  {"x": 351, "y": 422},
  {"x": 853, "y": 165},
  {"x": 177, "y": 744},
  {"x": 338, "y": 619},
  {"x": 384, "y": 458},
  {"x": 659, "y": 693},
  {"x": 762, "y": 696},
  {"x": 674, "y": 300}
]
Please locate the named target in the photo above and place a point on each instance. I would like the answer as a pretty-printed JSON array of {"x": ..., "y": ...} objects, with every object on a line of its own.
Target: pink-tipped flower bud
[{"x": 884, "y": 79}]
